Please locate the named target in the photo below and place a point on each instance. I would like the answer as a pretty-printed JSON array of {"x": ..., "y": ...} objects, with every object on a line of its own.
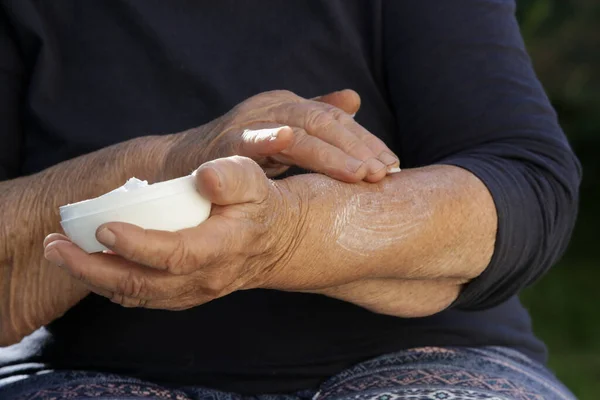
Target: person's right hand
[{"x": 278, "y": 129}]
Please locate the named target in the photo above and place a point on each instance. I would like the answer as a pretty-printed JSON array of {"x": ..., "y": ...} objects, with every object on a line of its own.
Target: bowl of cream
[{"x": 169, "y": 206}]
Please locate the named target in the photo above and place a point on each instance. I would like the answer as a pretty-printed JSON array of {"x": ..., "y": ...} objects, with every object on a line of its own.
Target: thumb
[
  {"x": 347, "y": 100},
  {"x": 232, "y": 180}
]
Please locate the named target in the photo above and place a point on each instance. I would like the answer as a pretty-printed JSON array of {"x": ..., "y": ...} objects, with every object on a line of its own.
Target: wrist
[
  {"x": 182, "y": 153},
  {"x": 287, "y": 226},
  {"x": 160, "y": 159},
  {"x": 311, "y": 257}
]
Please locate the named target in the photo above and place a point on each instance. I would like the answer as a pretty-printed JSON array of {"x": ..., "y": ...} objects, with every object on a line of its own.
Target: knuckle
[
  {"x": 214, "y": 286},
  {"x": 177, "y": 259},
  {"x": 359, "y": 149},
  {"x": 131, "y": 286},
  {"x": 264, "y": 187},
  {"x": 300, "y": 140},
  {"x": 318, "y": 119},
  {"x": 241, "y": 162},
  {"x": 131, "y": 303},
  {"x": 117, "y": 298},
  {"x": 131, "y": 251},
  {"x": 343, "y": 117},
  {"x": 79, "y": 275},
  {"x": 127, "y": 302},
  {"x": 339, "y": 115},
  {"x": 323, "y": 155},
  {"x": 371, "y": 147},
  {"x": 375, "y": 144},
  {"x": 142, "y": 303}
]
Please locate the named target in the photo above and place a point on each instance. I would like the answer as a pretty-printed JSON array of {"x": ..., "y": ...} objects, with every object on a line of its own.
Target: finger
[
  {"x": 378, "y": 148},
  {"x": 334, "y": 127},
  {"x": 265, "y": 141},
  {"x": 120, "y": 299},
  {"x": 54, "y": 237},
  {"x": 179, "y": 253},
  {"x": 182, "y": 302},
  {"x": 232, "y": 180},
  {"x": 113, "y": 273},
  {"x": 346, "y": 100},
  {"x": 312, "y": 153}
]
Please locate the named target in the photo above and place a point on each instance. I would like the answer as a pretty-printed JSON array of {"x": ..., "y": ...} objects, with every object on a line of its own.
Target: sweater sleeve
[
  {"x": 10, "y": 93},
  {"x": 464, "y": 93}
]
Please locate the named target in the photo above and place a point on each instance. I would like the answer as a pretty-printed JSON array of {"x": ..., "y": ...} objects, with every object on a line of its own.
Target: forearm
[
  {"x": 32, "y": 292},
  {"x": 406, "y": 298},
  {"x": 431, "y": 224}
]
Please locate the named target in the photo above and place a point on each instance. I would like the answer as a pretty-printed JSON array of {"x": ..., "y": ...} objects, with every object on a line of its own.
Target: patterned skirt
[{"x": 431, "y": 373}]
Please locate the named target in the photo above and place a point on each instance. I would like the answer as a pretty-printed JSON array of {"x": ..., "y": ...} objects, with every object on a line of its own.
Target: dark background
[{"x": 563, "y": 39}]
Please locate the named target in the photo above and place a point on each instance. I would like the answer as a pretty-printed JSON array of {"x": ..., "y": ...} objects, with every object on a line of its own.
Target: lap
[
  {"x": 446, "y": 373},
  {"x": 418, "y": 374}
]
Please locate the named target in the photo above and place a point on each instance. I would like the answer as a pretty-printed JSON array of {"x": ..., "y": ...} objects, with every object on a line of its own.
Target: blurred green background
[{"x": 563, "y": 39}]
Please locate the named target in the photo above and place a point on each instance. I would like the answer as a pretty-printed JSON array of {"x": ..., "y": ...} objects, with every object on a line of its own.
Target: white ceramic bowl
[{"x": 170, "y": 206}]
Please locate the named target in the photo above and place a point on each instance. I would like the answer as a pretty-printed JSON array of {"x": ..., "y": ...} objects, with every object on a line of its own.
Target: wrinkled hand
[
  {"x": 251, "y": 228},
  {"x": 278, "y": 129}
]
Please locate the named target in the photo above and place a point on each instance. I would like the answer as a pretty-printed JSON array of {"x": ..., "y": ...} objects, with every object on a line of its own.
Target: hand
[
  {"x": 251, "y": 229},
  {"x": 278, "y": 129},
  {"x": 261, "y": 234}
]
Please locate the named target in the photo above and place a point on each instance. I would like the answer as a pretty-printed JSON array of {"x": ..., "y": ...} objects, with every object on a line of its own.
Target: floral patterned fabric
[{"x": 418, "y": 374}]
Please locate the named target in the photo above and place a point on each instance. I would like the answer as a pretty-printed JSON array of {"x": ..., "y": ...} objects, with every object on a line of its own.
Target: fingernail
[
  {"x": 388, "y": 159},
  {"x": 393, "y": 170},
  {"x": 106, "y": 237},
  {"x": 353, "y": 164},
  {"x": 374, "y": 165},
  {"x": 54, "y": 257}
]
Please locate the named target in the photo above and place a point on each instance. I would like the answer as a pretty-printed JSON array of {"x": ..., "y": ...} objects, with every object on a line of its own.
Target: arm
[
  {"x": 34, "y": 293},
  {"x": 403, "y": 246},
  {"x": 493, "y": 207},
  {"x": 465, "y": 94}
]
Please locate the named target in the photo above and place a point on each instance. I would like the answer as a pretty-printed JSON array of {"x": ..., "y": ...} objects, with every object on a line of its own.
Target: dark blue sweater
[{"x": 441, "y": 82}]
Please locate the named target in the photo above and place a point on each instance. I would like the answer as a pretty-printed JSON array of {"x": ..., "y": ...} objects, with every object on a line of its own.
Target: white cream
[
  {"x": 365, "y": 225},
  {"x": 367, "y": 222}
]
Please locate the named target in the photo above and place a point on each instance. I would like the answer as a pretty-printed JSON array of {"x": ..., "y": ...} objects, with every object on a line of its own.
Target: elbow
[
  {"x": 559, "y": 204},
  {"x": 537, "y": 198},
  {"x": 424, "y": 299},
  {"x": 568, "y": 179},
  {"x": 551, "y": 219}
]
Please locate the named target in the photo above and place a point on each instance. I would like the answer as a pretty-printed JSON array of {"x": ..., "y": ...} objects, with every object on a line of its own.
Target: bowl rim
[{"x": 116, "y": 200}]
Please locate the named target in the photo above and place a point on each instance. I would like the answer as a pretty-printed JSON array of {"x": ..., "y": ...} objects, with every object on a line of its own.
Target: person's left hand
[{"x": 252, "y": 227}]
